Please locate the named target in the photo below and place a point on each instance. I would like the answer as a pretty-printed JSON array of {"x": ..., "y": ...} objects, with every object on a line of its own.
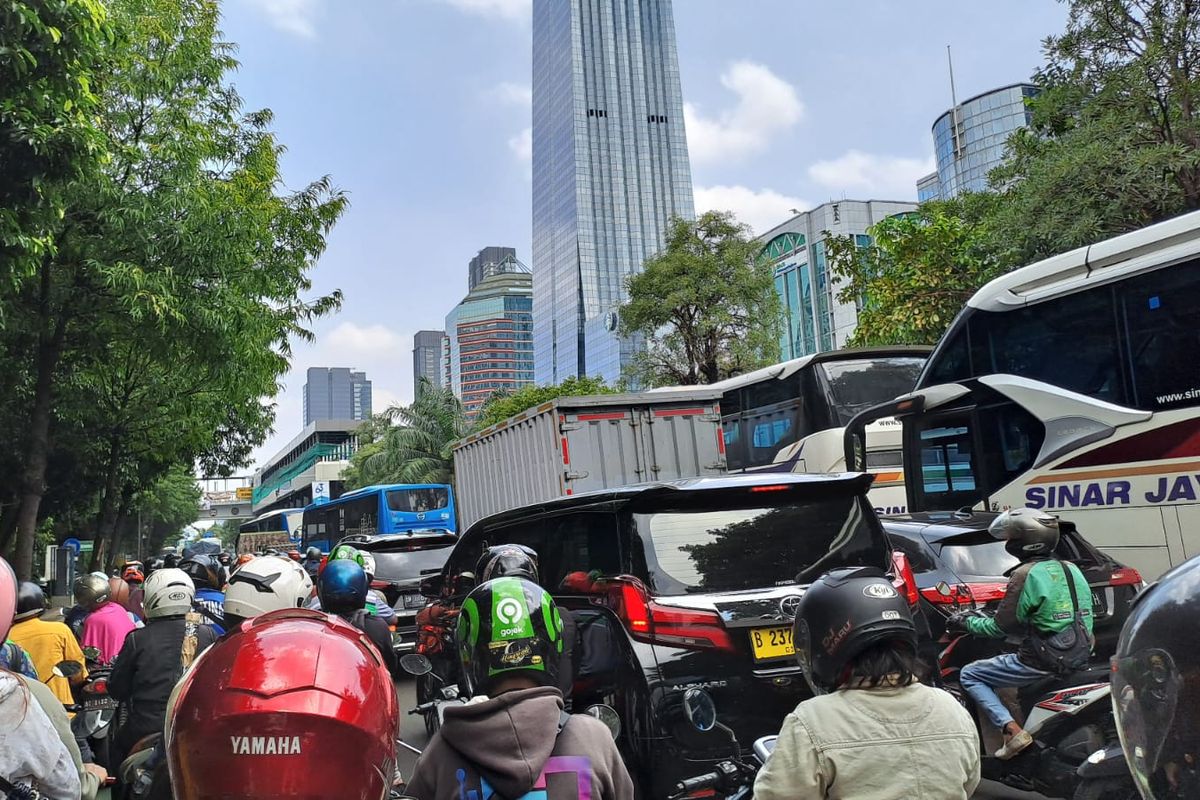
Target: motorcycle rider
[
  {"x": 205, "y": 572},
  {"x": 312, "y": 561},
  {"x": 48, "y": 642},
  {"x": 342, "y": 590},
  {"x": 155, "y": 656},
  {"x": 1156, "y": 686},
  {"x": 376, "y": 605},
  {"x": 31, "y": 751},
  {"x": 1039, "y": 603},
  {"x": 873, "y": 731},
  {"x": 514, "y": 737},
  {"x": 263, "y": 584},
  {"x": 107, "y": 623}
]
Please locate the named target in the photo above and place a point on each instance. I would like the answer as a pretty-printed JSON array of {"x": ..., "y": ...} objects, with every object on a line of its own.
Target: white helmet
[
  {"x": 167, "y": 593},
  {"x": 368, "y": 563},
  {"x": 266, "y": 583}
]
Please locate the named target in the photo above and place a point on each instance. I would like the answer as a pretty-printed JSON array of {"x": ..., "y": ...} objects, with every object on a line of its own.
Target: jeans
[{"x": 980, "y": 679}]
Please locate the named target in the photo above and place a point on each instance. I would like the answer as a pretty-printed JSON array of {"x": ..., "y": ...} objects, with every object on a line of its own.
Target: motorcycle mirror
[
  {"x": 608, "y": 715},
  {"x": 67, "y": 669},
  {"x": 700, "y": 710},
  {"x": 416, "y": 664}
]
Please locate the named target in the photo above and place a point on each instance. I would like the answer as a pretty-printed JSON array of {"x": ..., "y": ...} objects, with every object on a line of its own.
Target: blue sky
[{"x": 420, "y": 110}]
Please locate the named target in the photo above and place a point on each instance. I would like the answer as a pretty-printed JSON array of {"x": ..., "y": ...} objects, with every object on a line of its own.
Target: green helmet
[
  {"x": 508, "y": 625},
  {"x": 344, "y": 552}
]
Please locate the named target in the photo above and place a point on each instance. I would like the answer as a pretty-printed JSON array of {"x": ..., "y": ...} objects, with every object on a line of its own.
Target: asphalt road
[{"x": 412, "y": 730}]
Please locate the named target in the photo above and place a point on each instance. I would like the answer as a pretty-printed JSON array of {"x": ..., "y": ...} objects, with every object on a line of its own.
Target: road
[{"x": 412, "y": 730}]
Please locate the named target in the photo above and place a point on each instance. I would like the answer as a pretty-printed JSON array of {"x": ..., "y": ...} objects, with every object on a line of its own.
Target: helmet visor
[{"x": 1145, "y": 689}]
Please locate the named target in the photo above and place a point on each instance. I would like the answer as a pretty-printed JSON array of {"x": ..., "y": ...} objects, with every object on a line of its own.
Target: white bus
[
  {"x": 279, "y": 529},
  {"x": 790, "y": 416},
  {"x": 1071, "y": 385}
]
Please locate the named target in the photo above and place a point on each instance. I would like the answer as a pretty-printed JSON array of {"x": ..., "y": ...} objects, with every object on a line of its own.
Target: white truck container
[{"x": 580, "y": 444}]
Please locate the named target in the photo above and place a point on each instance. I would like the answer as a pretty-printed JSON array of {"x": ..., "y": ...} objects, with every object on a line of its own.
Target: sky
[{"x": 420, "y": 111}]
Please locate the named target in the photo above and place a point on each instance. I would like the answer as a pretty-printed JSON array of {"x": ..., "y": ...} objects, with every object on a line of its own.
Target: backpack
[{"x": 1067, "y": 650}]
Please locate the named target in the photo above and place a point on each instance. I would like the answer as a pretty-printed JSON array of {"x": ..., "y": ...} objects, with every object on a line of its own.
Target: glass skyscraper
[
  {"x": 971, "y": 139},
  {"x": 610, "y": 169}
]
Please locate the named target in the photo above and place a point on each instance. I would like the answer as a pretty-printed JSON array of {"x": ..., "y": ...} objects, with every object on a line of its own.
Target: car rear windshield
[
  {"x": 758, "y": 546},
  {"x": 980, "y": 555},
  {"x": 861, "y": 383},
  {"x": 417, "y": 500},
  {"x": 399, "y": 561}
]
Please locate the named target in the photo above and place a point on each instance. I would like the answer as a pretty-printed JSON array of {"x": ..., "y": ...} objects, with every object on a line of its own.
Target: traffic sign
[
  {"x": 245, "y": 493},
  {"x": 74, "y": 544}
]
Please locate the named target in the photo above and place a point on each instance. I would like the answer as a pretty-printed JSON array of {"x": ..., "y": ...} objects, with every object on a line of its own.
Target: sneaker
[{"x": 1014, "y": 745}]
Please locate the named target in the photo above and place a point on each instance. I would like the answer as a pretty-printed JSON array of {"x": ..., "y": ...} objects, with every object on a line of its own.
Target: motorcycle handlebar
[{"x": 696, "y": 784}]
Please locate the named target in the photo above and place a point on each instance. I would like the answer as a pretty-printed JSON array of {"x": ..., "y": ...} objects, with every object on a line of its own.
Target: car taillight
[
  {"x": 984, "y": 593},
  {"x": 905, "y": 582},
  {"x": 380, "y": 585},
  {"x": 654, "y": 623},
  {"x": 99, "y": 686},
  {"x": 1125, "y": 576}
]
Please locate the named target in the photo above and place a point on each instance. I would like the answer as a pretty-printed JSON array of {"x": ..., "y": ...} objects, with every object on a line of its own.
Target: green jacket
[{"x": 1037, "y": 597}]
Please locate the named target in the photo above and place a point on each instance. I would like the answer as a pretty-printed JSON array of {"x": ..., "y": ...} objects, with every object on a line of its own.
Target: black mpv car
[{"x": 684, "y": 584}]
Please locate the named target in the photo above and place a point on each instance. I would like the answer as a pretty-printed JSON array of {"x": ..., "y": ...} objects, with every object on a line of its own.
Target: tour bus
[
  {"x": 373, "y": 510},
  {"x": 790, "y": 416},
  {"x": 278, "y": 529},
  {"x": 1071, "y": 385}
]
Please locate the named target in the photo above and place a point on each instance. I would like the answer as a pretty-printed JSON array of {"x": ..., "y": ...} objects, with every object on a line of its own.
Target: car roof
[
  {"x": 431, "y": 536},
  {"x": 841, "y": 480},
  {"x": 934, "y": 525}
]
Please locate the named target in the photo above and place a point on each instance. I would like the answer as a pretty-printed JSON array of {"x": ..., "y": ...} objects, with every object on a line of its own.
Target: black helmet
[
  {"x": 91, "y": 591},
  {"x": 312, "y": 554},
  {"x": 1154, "y": 686},
  {"x": 224, "y": 559},
  {"x": 170, "y": 560},
  {"x": 31, "y": 601},
  {"x": 508, "y": 625},
  {"x": 507, "y": 561},
  {"x": 843, "y": 613},
  {"x": 342, "y": 587},
  {"x": 204, "y": 570},
  {"x": 1027, "y": 533}
]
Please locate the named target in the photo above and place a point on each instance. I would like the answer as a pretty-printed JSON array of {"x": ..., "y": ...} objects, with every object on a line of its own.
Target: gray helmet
[
  {"x": 91, "y": 591},
  {"x": 1027, "y": 533}
]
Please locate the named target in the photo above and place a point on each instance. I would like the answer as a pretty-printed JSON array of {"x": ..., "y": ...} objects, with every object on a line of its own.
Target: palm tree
[{"x": 417, "y": 446}]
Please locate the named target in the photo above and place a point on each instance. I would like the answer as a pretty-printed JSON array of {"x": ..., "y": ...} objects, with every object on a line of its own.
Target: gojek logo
[{"x": 510, "y": 617}]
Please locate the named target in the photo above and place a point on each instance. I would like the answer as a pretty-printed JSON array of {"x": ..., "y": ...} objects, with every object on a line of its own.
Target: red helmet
[{"x": 280, "y": 693}]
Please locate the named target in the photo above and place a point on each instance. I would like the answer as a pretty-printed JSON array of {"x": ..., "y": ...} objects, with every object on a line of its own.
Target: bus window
[
  {"x": 1162, "y": 326},
  {"x": 858, "y": 384},
  {"x": 418, "y": 500},
  {"x": 951, "y": 362},
  {"x": 769, "y": 432},
  {"x": 1070, "y": 342},
  {"x": 947, "y": 474},
  {"x": 731, "y": 432}
]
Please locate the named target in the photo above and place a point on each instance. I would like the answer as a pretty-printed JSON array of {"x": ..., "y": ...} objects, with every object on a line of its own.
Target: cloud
[
  {"x": 504, "y": 9},
  {"x": 766, "y": 105},
  {"x": 875, "y": 176},
  {"x": 522, "y": 145},
  {"x": 512, "y": 94},
  {"x": 358, "y": 341},
  {"x": 297, "y": 17},
  {"x": 761, "y": 210}
]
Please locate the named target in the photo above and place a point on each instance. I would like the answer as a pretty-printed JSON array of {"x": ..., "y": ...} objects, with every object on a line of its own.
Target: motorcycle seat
[{"x": 1032, "y": 693}]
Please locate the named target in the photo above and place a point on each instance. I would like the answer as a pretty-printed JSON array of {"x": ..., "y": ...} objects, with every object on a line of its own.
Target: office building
[
  {"x": 489, "y": 336},
  {"x": 814, "y": 319},
  {"x": 610, "y": 169},
  {"x": 970, "y": 140},
  {"x": 483, "y": 260},
  {"x": 336, "y": 393},
  {"x": 319, "y": 454},
  {"x": 427, "y": 358}
]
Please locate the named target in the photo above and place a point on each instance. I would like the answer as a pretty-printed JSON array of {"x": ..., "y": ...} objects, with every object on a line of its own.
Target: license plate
[
  {"x": 1099, "y": 607},
  {"x": 772, "y": 642},
  {"x": 99, "y": 703}
]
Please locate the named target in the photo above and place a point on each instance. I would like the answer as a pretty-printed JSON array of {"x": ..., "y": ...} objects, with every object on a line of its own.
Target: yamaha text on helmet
[
  {"x": 841, "y": 615},
  {"x": 1027, "y": 533},
  {"x": 508, "y": 625}
]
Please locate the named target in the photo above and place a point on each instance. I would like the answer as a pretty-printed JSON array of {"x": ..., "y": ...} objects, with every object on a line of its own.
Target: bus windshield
[
  {"x": 858, "y": 384},
  {"x": 418, "y": 500}
]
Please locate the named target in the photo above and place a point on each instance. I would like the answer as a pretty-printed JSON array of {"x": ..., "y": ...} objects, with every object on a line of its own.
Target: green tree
[
  {"x": 705, "y": 307},
  {"x": 919, "y": 270},
  {"x": 370, "y": 441},
  {"x": 417, "y": 447},
  {"x": 175, "y": 279},
  {"x": 1115, "y": 137},
  {"x": 501, "y": 406},
  {"x": 164, "y": 509}
]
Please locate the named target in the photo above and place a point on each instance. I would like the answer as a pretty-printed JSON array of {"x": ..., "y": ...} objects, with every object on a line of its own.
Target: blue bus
[{"x": 380, "y": 510}]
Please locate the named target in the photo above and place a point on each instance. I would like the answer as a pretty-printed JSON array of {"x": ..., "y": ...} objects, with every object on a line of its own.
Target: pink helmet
[{"x": 8, "y": 598}]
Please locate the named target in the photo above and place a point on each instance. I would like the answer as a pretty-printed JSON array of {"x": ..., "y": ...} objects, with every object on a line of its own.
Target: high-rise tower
[{"x": 610, "y": 169}]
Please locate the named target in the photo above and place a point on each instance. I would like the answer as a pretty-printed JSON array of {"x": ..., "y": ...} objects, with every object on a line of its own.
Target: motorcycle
[
  {"x": 144, "y": 774},
  {"x": 734, "y": 777},
  {"x": 434, "y": 708},
  {"x": 1071, "y": 720}
]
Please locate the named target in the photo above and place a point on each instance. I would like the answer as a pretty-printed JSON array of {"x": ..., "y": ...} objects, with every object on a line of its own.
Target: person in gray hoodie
[{"x": 513, "y": 738}]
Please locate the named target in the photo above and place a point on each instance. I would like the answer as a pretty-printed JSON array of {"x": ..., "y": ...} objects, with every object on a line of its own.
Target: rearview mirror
[
  {"x": 416, "y": 664},
  {"x": 432, "y": 586},
  {"x": 608, "y": 715},
  {"x": 700, "y": 710}
]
